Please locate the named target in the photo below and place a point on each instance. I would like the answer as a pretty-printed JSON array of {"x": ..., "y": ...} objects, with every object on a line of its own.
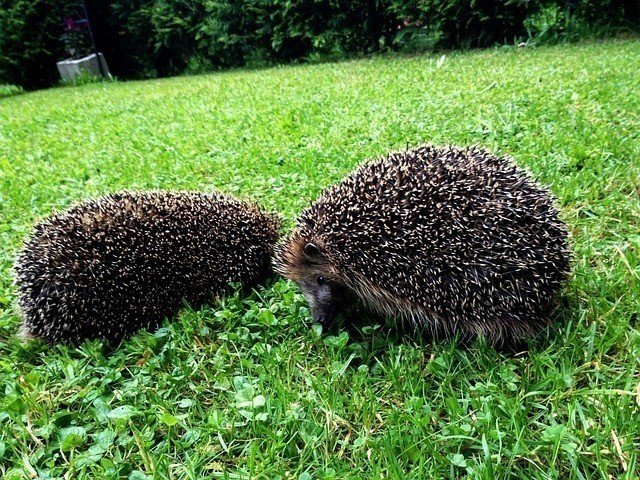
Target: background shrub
[
  {"x": 149, "y": 38},
  {"x": 466, "y": 23},
  {"x": 30, "y": 42}
]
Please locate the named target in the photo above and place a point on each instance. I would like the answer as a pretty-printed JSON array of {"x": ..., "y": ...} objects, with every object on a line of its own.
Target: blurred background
[{"x": 158, "y": 38}]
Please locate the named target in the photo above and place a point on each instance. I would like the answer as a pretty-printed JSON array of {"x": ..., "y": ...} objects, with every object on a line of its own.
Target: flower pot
[{"x": 70, "y": 69}]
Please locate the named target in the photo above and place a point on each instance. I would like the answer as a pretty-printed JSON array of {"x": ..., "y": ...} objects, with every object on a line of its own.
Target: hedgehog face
[
  {"x": 322, "y": 296},
  {"x": 322, "y": 290},
  {"x": 305, "y": 263}
]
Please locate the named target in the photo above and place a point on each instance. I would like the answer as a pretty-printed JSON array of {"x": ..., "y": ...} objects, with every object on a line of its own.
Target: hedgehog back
[
  {"x": 456, "y": 239},
  {"x": 111, "y": 266}
]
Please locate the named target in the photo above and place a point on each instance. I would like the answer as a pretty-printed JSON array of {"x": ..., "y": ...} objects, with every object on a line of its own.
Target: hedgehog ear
[{"x": 311, "y": 251}]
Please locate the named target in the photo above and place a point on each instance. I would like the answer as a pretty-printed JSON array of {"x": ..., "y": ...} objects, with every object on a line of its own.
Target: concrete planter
[{"x": 70, "y": 69}]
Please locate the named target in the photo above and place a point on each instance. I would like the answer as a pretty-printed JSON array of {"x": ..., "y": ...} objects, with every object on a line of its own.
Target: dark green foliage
[
  {"x": 206, "y": 34},
  {"x": 311, "y": 27},
  {"x": 466, "y": 23},
  {"x": 123, "y": 32},
  {"x": 149, "y": 38},
  {"x": 230, "y": 35},
  {"x": 167, "y": 30},
  {"x": 30, "y": 42}
]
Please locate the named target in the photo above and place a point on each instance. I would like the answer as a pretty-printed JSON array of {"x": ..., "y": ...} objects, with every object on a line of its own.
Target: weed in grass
[{"x": 10, "y": 90}]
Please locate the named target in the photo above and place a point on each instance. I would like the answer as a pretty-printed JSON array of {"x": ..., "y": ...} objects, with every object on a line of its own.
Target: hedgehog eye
[
  {"x": 311, "y": 250},
  {"x": 320, "y": 279}
]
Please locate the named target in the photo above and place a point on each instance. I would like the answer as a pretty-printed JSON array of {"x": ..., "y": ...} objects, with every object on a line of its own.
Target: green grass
[
  {"x": 10, "y": 90},
  {"x": 245, "y": 388}
]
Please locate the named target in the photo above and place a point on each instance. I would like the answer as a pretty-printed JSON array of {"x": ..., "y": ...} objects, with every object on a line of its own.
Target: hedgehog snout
[
  {"x": 323, "y": 315},
  {"x": 322, "y": 300}
]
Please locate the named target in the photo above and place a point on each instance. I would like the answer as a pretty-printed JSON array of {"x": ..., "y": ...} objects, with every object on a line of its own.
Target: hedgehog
[
  {"x": 451, "y": 241},
  {"x": 123, "y": 262}
]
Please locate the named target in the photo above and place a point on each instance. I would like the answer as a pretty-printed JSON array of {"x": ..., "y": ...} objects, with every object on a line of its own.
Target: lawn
[{"x": 245, "y": 388}]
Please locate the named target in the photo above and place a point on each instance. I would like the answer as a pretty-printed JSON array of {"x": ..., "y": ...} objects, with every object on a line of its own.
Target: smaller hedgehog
[
  {"x": 111, "y": 266},
  {"x": 456, "y": 241}
]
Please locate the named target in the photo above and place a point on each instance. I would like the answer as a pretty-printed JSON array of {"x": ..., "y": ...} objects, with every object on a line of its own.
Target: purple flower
[{"x": 69, "y": 24}]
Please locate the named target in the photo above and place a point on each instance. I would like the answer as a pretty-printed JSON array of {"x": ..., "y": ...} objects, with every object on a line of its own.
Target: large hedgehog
[
  {"x": 111, "y": 266},
  {"x": 457, "y": 241}
]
